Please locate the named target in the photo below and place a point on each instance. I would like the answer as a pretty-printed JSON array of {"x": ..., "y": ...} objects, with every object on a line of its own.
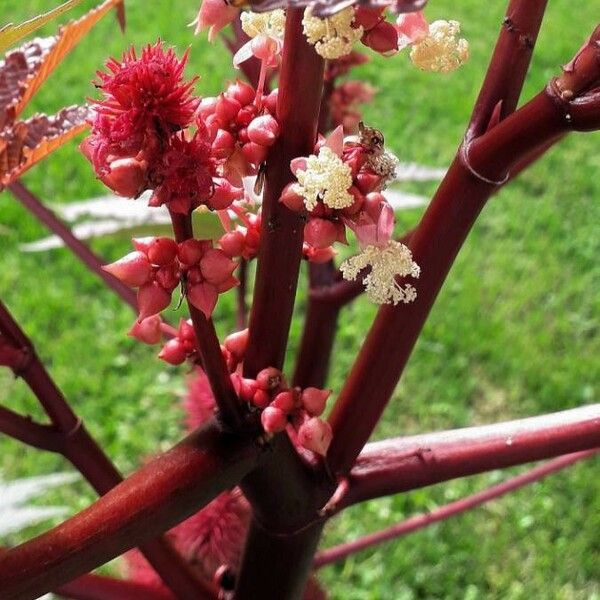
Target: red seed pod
[
  {"x": 242, "y": 135},
  {"x": 147, "y": 331},
  {"x": 152, "y": 298},
  {"x": 191, "y": 251},
  {"x": 247, "y": 389},
  {"x": 127, "y": 177},
  {"x": 320, "y": 233},
  {"x": 216, "y": 266},
  {"x": 314, "y": 400},
  {"x": 186, "y": 331},
  {"x": 237, "y": 343},
  {"x": 273, "y": 420},
  {"x": 269, "y": 379},
  {"x": 270, "y": 102},
  {"x": 315, "y": 434},
  {"x": 261, "y": 399},
  {"x": 232, "y": 243},
  {"x": 162, "y": 251},
  {"x": 245, "y": 116},
  {"x": 133, "y": 269},
  {"x": 227, "y": 108},
  {"x": 284, "y": 401},
  {"x": 264, "y": 130},
  {"x": 207, "y": 107},
  {"x": 173, "y": 352},
  {"x": 242, "y": 92}
]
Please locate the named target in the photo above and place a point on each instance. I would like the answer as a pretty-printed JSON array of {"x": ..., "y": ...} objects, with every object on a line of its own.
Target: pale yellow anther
[
  {"x": 386, "y": 263},
  {"x": 332, "y": 37},
  {"x": 270, "y": 23},
  {"x": 326, "y": 178},
  {"x": 442, "y": 50}
]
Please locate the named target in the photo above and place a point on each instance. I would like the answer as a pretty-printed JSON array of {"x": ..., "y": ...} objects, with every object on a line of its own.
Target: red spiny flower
[{"x": 148, "y": 91}]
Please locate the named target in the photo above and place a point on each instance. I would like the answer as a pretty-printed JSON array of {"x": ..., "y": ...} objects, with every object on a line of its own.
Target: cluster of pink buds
[
  {"x": 243, "y": 128},
  {"x": 158, "y": 265},
  {"x": 287, "y": 408},
  {"x": 243, "y": 241},
  {"x": 182, "y": 346}
]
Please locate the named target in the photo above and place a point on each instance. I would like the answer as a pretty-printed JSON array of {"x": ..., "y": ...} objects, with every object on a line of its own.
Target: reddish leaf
[{"x": 27, "y": 142}]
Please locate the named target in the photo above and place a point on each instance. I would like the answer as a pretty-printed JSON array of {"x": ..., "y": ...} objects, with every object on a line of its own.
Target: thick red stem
[
  {"x": 85, "y": 255},
  {"x": 403, "y": 464},
  {"x": 342, "y": 551},
  {"x": 160, "y": 495},
  {"x": 97, "y": 587},
  {"x": 231, "y": 410}
]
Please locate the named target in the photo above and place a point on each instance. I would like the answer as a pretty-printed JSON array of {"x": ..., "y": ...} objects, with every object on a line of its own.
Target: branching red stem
[{"x": 342, "y": 551}]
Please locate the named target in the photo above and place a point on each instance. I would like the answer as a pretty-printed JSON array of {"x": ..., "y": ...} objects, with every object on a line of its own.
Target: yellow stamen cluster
[
  {"x": 333, "y": 36},
  {"x": 326, "y": 178},
  {"x": 387, "y": 263},
  {"x": 442, "y": 50},
  {"x": 270, "y": 23}
]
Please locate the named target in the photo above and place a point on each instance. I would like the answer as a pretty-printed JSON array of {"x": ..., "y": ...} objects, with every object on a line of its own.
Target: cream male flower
[
  {"x": 441, "y": 50},
  {"x": 332, "y": 37},
  {"x": 325, "y": 177},
  {"x": 270, "y": 23},
  {"x": 387, "y": 262}
]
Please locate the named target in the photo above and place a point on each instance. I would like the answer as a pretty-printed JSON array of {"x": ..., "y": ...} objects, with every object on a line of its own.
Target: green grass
[{"x": 514, "y": 333}]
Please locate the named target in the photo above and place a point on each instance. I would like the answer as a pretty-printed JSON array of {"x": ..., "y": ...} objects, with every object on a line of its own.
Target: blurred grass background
[{"x": 514, "y": 333}]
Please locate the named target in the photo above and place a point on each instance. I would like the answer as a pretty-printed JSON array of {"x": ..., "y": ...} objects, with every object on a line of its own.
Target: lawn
[{"x": 514, "y": 332}]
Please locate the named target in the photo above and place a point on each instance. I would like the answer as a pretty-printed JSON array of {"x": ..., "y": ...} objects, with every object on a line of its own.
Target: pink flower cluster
[
  {"x": 368, "y": 213},
  {"x": 243, "y": 127},
  {"x": 159, "y": 264}
]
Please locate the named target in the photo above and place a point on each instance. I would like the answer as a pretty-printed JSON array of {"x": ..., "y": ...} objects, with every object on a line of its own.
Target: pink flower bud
[
  {"x": 320, "y": 233},
  {"x": 191, "y": 251},
  {"x": 270, "y": 101},
  {"x": 284, "y": 401},
  {"x": 264, "y": 130},
  {"x": 254, "y": 153},
  {"x": 186, "y": 331},
  {"x": 318, "y": 255},
  {"x": 247, "y": 389},
  {"x": 383, "y": 38},
  {"x": 127, "y": 177},
  {"x": 152, "y": 298},
  {"x": 147, "y": 331},
  {"x": 232, "y": 243},
  {"x": 207, "y": 107},
  {"x": 168, "y": 276},
  {"x": 261, "y": 399},
  {"x": 216, "y": 266},
  {"x": 133, "y": 269},
  {"x": 412, "y": 27},
  {"x": 173, "y": 352},
  {"x": 367, "y": 17},
  {"x": 315, "y": 434},
  {"x": 314, "y": 400},
  {"x": 273, "y": 420},
  {"x": 227, "y": 108},
  {"x": 223, "y": 144},
  {"x": 237, "y": 343},
  {"x": 245, "y": 116},
  {"x": 203, "y": 296},
  {"x": 162, "y": 251},
  {"x": 214, "y": 14},
  {"x": 242, "y": 92},
  {"x": 367, "y": 182},
  {"x": 224, "y": 195},
  {"x": 269, "y": 378},
  {"x": 291, "y": 199}
]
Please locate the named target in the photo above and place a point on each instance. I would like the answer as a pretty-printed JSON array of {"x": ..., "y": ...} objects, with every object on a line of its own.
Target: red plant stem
[
  {"x": 300, "y": 86},
  {"x": 231, "y": 410},
  {"x": 97, "y": 587},
  {"x": 403, "y": 464},
  {"x": 160, "y": 495},
  {"x": 510, "y": 61},
  {"x": 68, "y": 436},
  {"x": 242, "y": 290},
  {"x": 87, "y": 257},
  {"x": 417, "y": 522}
]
